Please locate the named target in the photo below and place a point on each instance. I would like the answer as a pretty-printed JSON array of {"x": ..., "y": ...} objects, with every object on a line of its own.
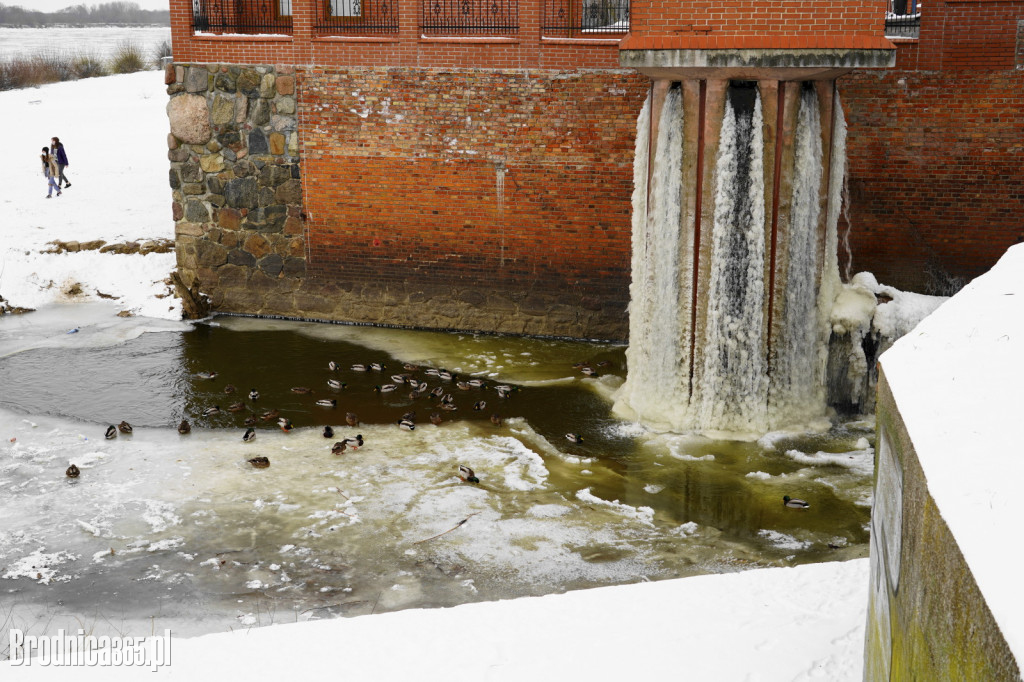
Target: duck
[
  {"x": 254, "y": 394},
  {"x": 430, "y": 371},
  {"x": 477, "y": 383},
  {"x": 328, "y": 432},
  {"x": 438, "y": 392},
  {"x": 338, "y": 447},
  {"x": 574, "y": 437},
  {"x": 445, "y": 375},
  {"x": 479, "y": 405},
  {"x": 336, "y": 385},
  {"x": 386, "y": 388},
  {"x": 124, "y": 427},
  {"x": 249, "y": 434},
  {"x": 352, "y": 419},
  {"x": 354, "y": 443},
  {"x": 333, "y": 366},
  {"x": 400, "y": 378},
  {"x": 111, "y": 432},
  {"x": 359, "y": 368},
  {"x": 207, "y": 375},
  {"x": 422, "y": 388},
  {"x": 406, "y": 425},
  {"x": 412, "y": 382},
  {"x": 229, "y": 389},
  {"x": 447, "y": 399},
  {"x": 463, "y": 385},
  {"x": 409, "y": 416},
  {"x": 260, "y": 462},
  {"x": 589, "y": 371},
  {"x": 467, "y": 475},
  {"x": 793, "y": 503},
  {"x": 378, "y": 366},
  {"x": 497, "y": 419},
  {"x": 327, "y": 402},
  {"x": 184, "y": 427},
  {"x": 605, "y": 363},
  {"x": 503, "y": 391},
  {"x": 435, "y": 418},
  {"x": 251, "y": 420},
  {"x": 269, "y": 414},
  {"x": 210, "y": 411},
  {"x": 448, "y": 406},
  {"x": 301, "y": 389},
  {"x": 409, "y": 367},
  {"x": 72, "y": 472},
  {"x": 236, "y": 407},
  {"x": 285, "y": 424}
]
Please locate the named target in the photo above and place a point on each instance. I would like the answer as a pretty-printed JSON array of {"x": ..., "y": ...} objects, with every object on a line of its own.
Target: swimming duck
[
  {"x": 327, "y": 402},
  {"x": 352, "y": 419},
  {"x": 445, "y": 375},
  {"x": 589, "y": 371},
  {"x": 338, "y": 447},
  {"x": 301, "y": 389},
  {"x": 335, "y": 384},
  {"x": 333, "y": 366},
  {"x": 463, "y": 385},
  {"x": 210, "y": 411},
  {"x": 400, "y": 378},
  {"x": 328, "y": 432},
  {"x": 430, "y": 371},
  {"x": 497, "y": 419},
  {"x": 254, "y": 394},
  {"x": 359, "y": 368},
  {"x": 422, "y": 388},
  {"x": 794, "y": 503},
  {"x": 111, "y": 432},
  {"x": 124, "y": 427},
  {"x": 503, "y": 391},
  {"x": 410, "y": 415},
  {"x": 476, "y": 383},
  {"x": 409, "y": 367},
  {"x": 406, "y": 425},
  {"x": 448, "y": 406},
  {"x": 386, "y": 388},
  {"x": 184, "y": 427},
  {"x": 435, "y": 418},
  {"x": 438, "y": 392},
  {"x": 72, "y": 472},
  {"x": 605, "y": 363},
  {"x": 574, "y": 437},
  {"x": 378, "y": 366},
  {"x": 479, "y": 405},
  {"x": 269, "y": 414},
  {"x": 260, "y": 462},
  {"x": 251, "y": 420},
  {"x": 249, "y": 434},
  {"x": 236, "y": 407},
  {"x": 285, "y": 424},
  {"x": 229, "y": 389},
  {"x": 207, "y": 375},
  {"x": 412, "y": 382},
  {"x": 448, "y": 399},
  {"x": 354, "y": 442},
  {"x": 467, "y": 475}
]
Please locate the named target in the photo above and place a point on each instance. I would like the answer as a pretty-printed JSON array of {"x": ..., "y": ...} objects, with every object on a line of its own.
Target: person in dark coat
[
  {"x": 61, "y": 157},
  {"x": 50, "y": 171}
]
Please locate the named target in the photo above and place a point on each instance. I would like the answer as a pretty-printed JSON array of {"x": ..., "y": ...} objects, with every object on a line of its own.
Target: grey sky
[{"x": 54, "y": 5}]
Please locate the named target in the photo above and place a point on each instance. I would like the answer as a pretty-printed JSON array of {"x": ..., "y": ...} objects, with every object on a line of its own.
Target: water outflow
[{"x": 732, "y": 356}]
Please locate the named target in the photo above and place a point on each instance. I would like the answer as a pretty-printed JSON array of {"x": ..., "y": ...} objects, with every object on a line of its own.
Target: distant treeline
[{"x": 78, "y": 15}]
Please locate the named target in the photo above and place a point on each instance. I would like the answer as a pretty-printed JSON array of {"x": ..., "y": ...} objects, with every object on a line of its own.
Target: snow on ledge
[{"x": 958, "y": 379}]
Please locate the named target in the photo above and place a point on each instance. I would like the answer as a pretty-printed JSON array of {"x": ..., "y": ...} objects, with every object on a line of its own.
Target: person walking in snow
[
  {"x": 50, "y": 171},
  {"x": 62, "y": 161}
]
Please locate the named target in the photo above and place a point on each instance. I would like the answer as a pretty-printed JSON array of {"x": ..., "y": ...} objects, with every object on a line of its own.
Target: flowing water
[{"x": 170, "y": 530}]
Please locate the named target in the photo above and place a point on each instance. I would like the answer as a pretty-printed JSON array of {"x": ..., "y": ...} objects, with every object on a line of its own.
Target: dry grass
[{"x": 57, "y": 66}]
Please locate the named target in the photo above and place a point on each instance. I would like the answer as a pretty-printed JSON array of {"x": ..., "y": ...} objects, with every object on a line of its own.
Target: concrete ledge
[{"x": 755, "y": 63}]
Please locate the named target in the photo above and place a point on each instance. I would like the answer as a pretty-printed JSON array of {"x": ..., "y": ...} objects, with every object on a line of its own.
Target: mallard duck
[
  {"x": 352, "y": 419},
  {"x": 445, "y": 375},
  {"x": 479, "y": 405},
  {"x": 409, "y": 367},
  {"x": 328, "y": 432},
  {"x": 410, "y": 416},
  {"x": 336, "y": 385},
  {"x": 794, "y": 503},
  {"x": 254, "y": 394},
  {"x": 111, "y": 432},
  {"x": 477, "y": 383},
  {"x": 249, "y": 434},
  {"x": 327, "y": 402},
  {"x": 251, "y": 420},
  {"x": 406, "y": 425},
  {"x": 269, "y": 414},
  {"x": 124, "y": 427},
  {"x": 503, "y": 391},
  {"x": 467, "y": 475},
  {"x": 236, "y": 407},
  {"x": 386, "y": 388},
  {"x": 605, "y": 363},
  {"x": 400, "y": 378},
  {"x": 72, "y": 472},
  {"x": 430, "y": 371},
  {"x": 333, "y": 366},
  {"x": 438, "y": 392},
  {"x": 354, "y": 443},
  {"x": 412, "y": 382},
  {"x": 574, "y": 437},
  {"x": 301, "y": 389},
  {"x": 435, "y": 418},
  {"x": 448, "y": 399},
  {"x": 359, "y": 368},
  {"x": 207, "y": 375},
  {"x": 210, "y": 411},
  {"x": 448, "y": 406},
  {"x": 184, "y": 427},
  {"x": 229, "y": 389},
  {"x": 338, "y": 447},
  {"x": 285, "y": 424},
  {"x": 378, "y": 366},
  {"x": 462, "y": 385},
  {"x": 497, "y": 419},
  {"x": 589, "y": 371},
  {"x": 260, "y": 462},
  {"x": 422, "y": 388}
]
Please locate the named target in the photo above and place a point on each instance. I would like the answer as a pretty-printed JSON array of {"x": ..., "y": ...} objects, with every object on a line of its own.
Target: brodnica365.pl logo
[{"x": 88, "y": 650}]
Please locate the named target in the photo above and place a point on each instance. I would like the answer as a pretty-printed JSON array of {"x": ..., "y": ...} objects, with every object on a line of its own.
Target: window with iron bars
[
  {"x": 242, "y": 16},
  {"x": 903, "y": 19},
  {"x": 584, "y": 18},
  {"x": 469, "y": 17},
  {"x": 357, "y": 17}
]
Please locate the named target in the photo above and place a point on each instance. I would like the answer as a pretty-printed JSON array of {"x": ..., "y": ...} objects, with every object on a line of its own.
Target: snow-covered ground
[{"x": 774, "y": 624}]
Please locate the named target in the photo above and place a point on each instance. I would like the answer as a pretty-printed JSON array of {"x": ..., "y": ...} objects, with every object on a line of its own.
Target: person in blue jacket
[{"x": 57, "y": 149}]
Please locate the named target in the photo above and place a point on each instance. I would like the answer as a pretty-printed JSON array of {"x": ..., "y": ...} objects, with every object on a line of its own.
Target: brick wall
[{"x": 936, "y": 149}]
